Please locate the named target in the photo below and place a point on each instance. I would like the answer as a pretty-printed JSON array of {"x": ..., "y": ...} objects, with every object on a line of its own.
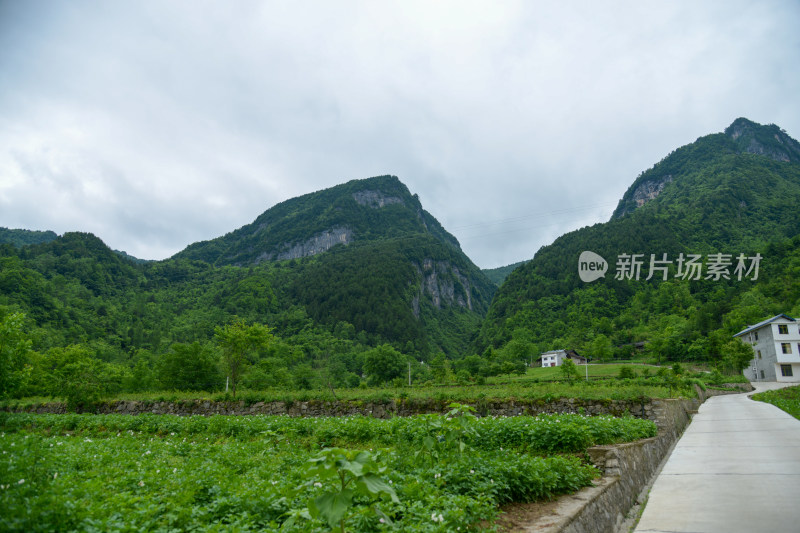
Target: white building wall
[
  {"x": 768, "y": 340},
  {"x": 792, "y": 339},
  {"x": 552, "y": 358},
  {"x": 794, "y": 378}
]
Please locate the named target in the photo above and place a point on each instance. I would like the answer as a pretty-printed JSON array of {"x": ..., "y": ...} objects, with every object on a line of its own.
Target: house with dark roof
[{"x": 776, "y": 348}]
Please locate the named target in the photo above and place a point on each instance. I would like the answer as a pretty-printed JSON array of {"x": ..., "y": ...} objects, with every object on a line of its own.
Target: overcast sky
[{"x": 157, "y": 124}]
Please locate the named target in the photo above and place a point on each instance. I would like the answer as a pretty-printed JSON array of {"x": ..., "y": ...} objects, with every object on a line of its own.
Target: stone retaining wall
[
  {"x": 646, "y": 408},
  {"x": 627, "y": 468},
  {"x": 739, "y": 388}
]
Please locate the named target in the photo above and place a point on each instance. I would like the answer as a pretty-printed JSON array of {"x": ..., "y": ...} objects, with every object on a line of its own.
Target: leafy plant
[
  {"x": 348, "y": 475},
  {"x": 448, "y": 434}
]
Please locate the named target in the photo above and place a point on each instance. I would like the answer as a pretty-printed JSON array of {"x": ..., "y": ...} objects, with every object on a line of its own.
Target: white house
[
  {"x": 556, "y": 357},
  {"x": 776, "y": 344}
]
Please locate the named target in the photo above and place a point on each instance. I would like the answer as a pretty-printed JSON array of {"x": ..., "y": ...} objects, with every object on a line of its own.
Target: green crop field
[{"x": 165, "y": 473}]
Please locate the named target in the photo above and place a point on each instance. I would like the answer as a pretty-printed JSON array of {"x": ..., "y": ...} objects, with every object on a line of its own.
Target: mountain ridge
[
  {"x": 743, "y": 136},
  {"x": 717, "y": 195}
]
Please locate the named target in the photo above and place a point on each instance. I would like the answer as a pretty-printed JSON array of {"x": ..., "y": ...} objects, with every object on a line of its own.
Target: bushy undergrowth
[
  {"x": 787, "y": 399},
  {"x": 161, "y": 472}
]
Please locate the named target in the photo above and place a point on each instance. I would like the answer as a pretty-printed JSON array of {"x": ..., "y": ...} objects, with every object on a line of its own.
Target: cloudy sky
[{"x": 157, "y": 124}]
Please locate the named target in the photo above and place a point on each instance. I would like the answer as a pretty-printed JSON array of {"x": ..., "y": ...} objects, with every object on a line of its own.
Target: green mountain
[
  {"x": 335, "y": 273},
  {"x": 732, "y": 193},
  {"x": 357, "y": 211},
  {"x": 367, "y": 254}
]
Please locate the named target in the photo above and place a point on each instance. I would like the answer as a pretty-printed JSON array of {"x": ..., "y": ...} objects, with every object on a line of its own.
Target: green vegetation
[
  {"x": 238, "y": 341},
  {"x": 117, "y": 472},
  {"x": 787, "y": 399},
  {"x": 719, "y": 196},
  {"x": 398, "y": 301},
  {"x": 402, "y": 282}
]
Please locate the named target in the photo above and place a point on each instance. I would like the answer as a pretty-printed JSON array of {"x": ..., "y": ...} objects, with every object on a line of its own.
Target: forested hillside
[
  {"x": 732, "y": 193},
  {"x": 398, "y": 289}
]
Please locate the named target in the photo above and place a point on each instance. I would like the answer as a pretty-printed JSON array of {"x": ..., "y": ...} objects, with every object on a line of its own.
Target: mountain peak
[
  {"x": 770, "y": 140},
  {"x": 743, "y": 136},
  {"x": 361, "y": 210}
]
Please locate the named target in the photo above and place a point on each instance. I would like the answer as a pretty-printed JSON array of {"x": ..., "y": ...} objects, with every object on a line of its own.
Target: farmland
[{"x": 159, "y": 472}]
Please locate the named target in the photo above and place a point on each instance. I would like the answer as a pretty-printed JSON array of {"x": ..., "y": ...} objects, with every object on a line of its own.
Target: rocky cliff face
[
  {"x": 375, "y": 199},
  {"x": 650, "y": 190},
  {"x": 444, "y": 284},
  {"x": 769, "y": 141},
  {"x": 643, "y": 193},
  {"x": 322, "y": 242}
]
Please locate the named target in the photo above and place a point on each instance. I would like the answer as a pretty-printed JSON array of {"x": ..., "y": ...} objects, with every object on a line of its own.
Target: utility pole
[{"x": 409, "y": 373}]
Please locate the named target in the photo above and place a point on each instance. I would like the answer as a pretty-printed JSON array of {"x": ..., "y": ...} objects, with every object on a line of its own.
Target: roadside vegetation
[{"x": 787, "y": 399}]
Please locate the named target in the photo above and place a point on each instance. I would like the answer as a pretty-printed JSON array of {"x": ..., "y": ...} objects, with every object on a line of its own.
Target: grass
[
  {"x": 787, "y": 399},
  {"x": 594, "y": 371}
]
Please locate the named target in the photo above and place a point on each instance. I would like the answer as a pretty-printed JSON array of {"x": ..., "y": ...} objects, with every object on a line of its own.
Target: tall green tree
[
  {"x": 737, "y": 355},
  {"x": 239, "y": 341},
  {"x": 600, "y": 348},
  {"x": 192, "y": 366},
  {"x": 383, "y": 364},
  {"x": 14, "y": 350},
  {"x": 75, "y": 375},
  {"x": 569, "y": 370}
]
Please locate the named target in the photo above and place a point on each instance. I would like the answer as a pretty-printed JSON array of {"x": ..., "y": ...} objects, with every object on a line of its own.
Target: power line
[
  {"x": 532, "y": 216},
  {"x": 506, "y": 232}
]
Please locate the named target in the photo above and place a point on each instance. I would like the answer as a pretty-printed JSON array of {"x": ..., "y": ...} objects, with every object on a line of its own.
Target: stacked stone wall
[
  {"x": 649, "y": 409},
  {"x": 627, "y": 470}
]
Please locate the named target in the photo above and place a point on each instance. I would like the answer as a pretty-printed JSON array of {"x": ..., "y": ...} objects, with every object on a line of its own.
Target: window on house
[
  {"x": 762, "y": 374},
  {"x": 755, "y": 335},
  {"x": 786, "y": 347},
  {"x": 786, "y": 371},
  {"x": 759, "y": 354},
  {"x": 783, "y": 329}
]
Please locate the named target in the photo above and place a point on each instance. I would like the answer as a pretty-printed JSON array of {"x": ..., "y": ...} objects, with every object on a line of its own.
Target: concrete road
[{"x": 735, "y": 469}]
